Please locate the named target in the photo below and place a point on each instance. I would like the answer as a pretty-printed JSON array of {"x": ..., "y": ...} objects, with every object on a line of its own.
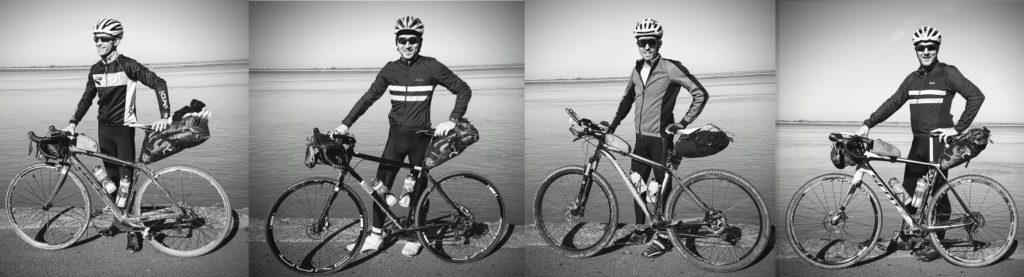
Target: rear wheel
[
  {"x": 53, "y": 225},
  {"x": 466, "y": 228},
  {"x": 205, "y": 218},
  {"x": 992, "y": 215},
  {"x": 731, "y": 234}
]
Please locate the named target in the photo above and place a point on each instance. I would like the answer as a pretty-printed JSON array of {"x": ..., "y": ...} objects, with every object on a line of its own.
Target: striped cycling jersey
[
  {"x": 113, "y": 85},
  {"x": 410, "y": 86},
  {"x": 655, "y": 96},
  {"x": 930, "y": 95}
]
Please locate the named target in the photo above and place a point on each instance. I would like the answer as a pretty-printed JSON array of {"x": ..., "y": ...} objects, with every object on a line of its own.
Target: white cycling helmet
[
  {"x": 409, "y": 25},
  {"x": 927, "y": 33},
  {"x": 110, "y": 27},
  {"x": 648, "y": 27}
]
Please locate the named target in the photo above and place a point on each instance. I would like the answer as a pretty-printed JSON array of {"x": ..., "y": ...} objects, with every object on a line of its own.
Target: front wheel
[
  {"x": 829, "y": 236},
  {"x": 576, "y": 217},
  {"x": 203, "y": 212},
  {"x": 463, "y": 217},
  {"x": 989, "y": 209},
  {"x": 53, "y": 225},
  {"x": 731, "y": 233},
  {"x": 308, "y": 231}
]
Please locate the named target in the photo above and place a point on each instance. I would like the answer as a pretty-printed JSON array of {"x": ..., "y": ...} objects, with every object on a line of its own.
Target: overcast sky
[
  {"x": 841, "y": 60},
  {"x": 361, "y": 34},
  {"x": 39, "y": 33},
  {"x": 568, "y": 39}
]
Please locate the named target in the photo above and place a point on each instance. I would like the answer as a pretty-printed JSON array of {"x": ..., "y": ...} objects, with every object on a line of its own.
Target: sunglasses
[
  {"x": 103, "y": 39},
  {"x": 412, "y": 40},
  {"x": 644, "y": 42},
  {"x": 930, "y": 47}
]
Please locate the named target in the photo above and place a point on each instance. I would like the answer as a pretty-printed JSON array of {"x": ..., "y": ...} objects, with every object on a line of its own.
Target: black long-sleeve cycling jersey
[
  {"x": 930, "y": 94},
  {"x": 656, "y": 99},
  {"x": 411, "y": 85},
  {"x": 114, "y": 85}
]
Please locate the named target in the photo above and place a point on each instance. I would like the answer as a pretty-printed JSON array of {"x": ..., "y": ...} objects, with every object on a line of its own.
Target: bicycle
[
  {"x": 716, "y": 220},
  {"x": 180, "y": 210},
  {"x": 832, "y": 203},
  {"x": 459, "y": 218}
]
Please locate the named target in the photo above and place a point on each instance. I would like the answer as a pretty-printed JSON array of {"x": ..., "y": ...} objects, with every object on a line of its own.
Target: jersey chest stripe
[
  {"x": 928, "y": 92},
  {"x": 925, "y": 101},
  {"x": 394, "y": 88},
  {"x": 110, "y": 79},
  {"x": 408, "y": 98}
]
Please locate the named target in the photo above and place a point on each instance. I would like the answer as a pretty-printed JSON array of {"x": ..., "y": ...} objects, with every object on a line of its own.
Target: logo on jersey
[
  {"x": 98, "y": 79},
  {"x": 931, "y": 83},
  {"x": 419, "y": 80},
  {"x": 113, "y": 78}
]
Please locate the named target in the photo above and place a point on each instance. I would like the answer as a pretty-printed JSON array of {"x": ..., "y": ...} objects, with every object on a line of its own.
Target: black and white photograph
[
  {"x": 387, "y": 138},
  {"x": 915, "y": 105},
  {"x": 650, "y": 137},
  {"x": 124, "y": 138}
]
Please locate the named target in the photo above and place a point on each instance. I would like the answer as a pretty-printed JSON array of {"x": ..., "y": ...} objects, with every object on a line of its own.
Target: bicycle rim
[
  {"x": 206, "y": 217},
  {"x": 469, "y": 227},
  {"x": 732, "y": 234},
  {"x": 822, "y": 241},
  {"x": 54, "y": 227},
  {"x": 575, "y": 230},
  {"x": 304, "y": 243},
  {"x": 992, "y": 211}
]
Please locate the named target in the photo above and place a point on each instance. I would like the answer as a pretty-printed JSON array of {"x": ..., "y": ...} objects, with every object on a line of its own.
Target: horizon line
[{"x": 160, "y": 64}]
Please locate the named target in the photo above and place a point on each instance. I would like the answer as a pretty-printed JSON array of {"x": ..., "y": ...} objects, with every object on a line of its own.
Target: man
[
  {"x": 112, "y": 81},
  {"x": 653, "y": 86},
  {"x": 930, "y": 90},
  {"x": 410, "y": 82}
]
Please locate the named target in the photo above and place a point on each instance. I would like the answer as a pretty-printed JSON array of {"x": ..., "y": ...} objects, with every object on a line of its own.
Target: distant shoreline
[
  {"x": 716, "y": 75},
  {"x": 150, "y": 65},
  {"x": 375, "y": 69},
  {"x": 897, "y": 123}
]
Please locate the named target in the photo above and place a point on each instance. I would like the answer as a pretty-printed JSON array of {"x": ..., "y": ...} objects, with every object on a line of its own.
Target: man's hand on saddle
[
  {"x": 160, "y": 124},
  {"x": 443, "y": 128},
  {"x": 943, "y": 133}
]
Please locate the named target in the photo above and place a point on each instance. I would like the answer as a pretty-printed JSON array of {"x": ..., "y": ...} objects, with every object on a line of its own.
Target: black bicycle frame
[{"x": 377, "y": 198}]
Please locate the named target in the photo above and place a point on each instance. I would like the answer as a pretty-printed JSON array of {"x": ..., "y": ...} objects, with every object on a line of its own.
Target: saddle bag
[
  {"x": 706, "y": 141},
  {"x": 452, "y": 144},
  {"x": 189, "y": 128},
  {"x": 965, "y": 147}
]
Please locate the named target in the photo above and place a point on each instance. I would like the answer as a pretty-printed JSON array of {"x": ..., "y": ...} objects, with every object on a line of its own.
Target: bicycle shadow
[{"x": 231, "y": 233}]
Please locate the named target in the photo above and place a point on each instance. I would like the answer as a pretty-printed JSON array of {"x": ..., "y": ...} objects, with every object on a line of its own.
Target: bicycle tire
[
  {"x": 957, "y": 252},
  {"x": 207, "y": 219},
  {"x": 810, "y": 217},
  {"x": 294, "y": 242},
  {"x": 745, "y": 213},
  {"x": 34, "y": 224},
  {"x": 551, "y": 217},
  {"x": 462, "y": 238}
]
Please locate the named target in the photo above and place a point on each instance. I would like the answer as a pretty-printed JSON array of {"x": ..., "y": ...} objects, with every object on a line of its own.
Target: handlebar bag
[
  {"x": 965, "y": 147},
  {"x": 707, "y": 141},
  {"x": 325, "y": 150},
  {"x": 452, "y": 144}
]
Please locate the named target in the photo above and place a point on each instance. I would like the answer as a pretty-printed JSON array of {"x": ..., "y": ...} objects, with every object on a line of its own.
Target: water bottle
[
  {"x": 923, "y": 186},
  {"x": 638, "y": 183},
  {"x": 410, "y": 184},
  {"x": 384, "y": 191},
  {"x": 897, "y": 190},
  {"x": 653, "y": 191},
  {"x": 101, "y": 175},
  {"x": 122, "y": 192}
]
